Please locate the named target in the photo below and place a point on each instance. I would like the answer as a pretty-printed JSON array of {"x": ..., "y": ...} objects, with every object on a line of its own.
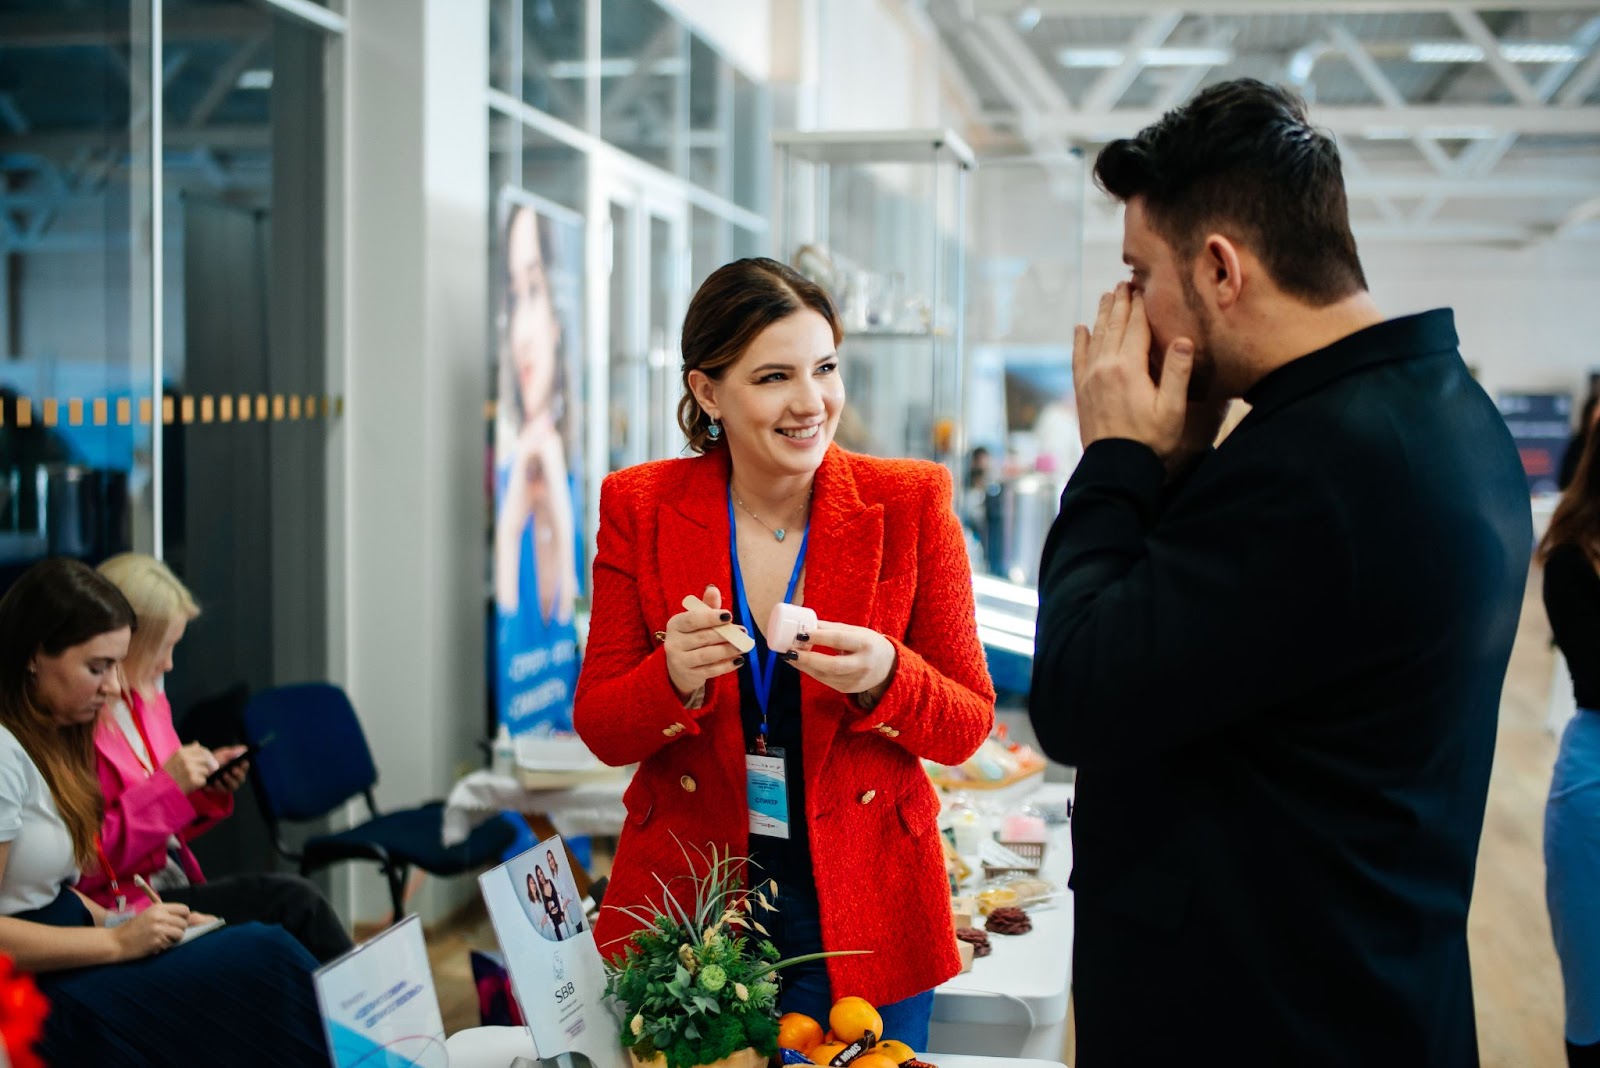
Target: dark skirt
[{"x": 237, "y": 996}]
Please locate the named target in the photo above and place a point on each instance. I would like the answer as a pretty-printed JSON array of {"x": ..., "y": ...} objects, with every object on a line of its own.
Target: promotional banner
[
  {"x": 550, "y": 952},
  {"x": 1540, "y": 424},
  {"x": 379, "y": 1006},
  {"x": 538, "y": 492}
]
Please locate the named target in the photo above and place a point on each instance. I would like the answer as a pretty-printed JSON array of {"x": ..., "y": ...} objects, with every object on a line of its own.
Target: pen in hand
[{"x": 149, "y": 892}]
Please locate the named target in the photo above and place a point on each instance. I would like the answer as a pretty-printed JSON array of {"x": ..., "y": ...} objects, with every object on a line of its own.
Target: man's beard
[{"x": 1203, "y": 378}]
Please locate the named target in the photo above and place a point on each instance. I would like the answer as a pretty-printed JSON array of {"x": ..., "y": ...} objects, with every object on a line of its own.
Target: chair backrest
[{"x": 318, "y": 757}]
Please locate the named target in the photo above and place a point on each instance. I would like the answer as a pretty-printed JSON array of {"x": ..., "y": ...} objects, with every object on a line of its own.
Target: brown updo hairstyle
[{"x": 728, "y": 312}]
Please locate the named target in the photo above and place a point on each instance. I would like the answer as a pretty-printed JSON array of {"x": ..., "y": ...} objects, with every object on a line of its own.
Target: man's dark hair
[{"x": 1241, "y": 158}]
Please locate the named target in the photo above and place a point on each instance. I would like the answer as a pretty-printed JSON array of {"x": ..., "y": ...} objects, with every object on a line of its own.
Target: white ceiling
[{"x": 1499, "y": 144}]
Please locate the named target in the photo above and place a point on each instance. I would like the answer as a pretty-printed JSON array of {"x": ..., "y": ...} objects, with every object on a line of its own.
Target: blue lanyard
[{"x": 760, "y": 677}]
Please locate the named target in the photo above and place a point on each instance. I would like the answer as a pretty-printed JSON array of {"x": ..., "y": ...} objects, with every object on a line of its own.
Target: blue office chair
[{"x": 317, "y": 760}]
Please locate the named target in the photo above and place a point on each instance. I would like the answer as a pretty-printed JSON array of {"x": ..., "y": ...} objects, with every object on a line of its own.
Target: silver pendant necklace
[{"x": 778, "y": 533}]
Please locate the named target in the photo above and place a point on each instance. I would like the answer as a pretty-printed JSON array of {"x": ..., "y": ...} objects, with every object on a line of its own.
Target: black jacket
[{"x": 1280, "y": 682}]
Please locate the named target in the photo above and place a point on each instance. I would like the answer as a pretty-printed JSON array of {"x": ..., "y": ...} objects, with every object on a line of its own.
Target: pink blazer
[{"x": 145, "y": 810}]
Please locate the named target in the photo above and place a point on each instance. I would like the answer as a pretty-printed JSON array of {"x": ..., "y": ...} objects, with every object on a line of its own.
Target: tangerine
[
  {"x": 895, "y": 1050},
  {"x": 825, "y": 1053},
  {"x": 798, "y": 1031},
  {"x": 874, "y": 1059},
  {"x": 853, "y": 1017}
]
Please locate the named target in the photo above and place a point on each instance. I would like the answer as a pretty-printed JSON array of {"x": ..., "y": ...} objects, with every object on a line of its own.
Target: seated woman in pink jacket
[{"x": 156, "y": 797}]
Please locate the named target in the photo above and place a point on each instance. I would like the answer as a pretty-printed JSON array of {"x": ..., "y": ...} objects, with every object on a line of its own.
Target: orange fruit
[
  {"x": 826, "y": 1052},
  {"x": 798, "y": 1031},
  {"x": 871, "y": 1059},
  {"x": 853, "y": 1017},
  {"x": 895, "y": 1050}
]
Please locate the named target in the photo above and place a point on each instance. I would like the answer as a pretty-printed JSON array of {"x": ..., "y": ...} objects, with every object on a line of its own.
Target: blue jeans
[
  {"x": 1572, "y": 872},
  {"x": 796, "y": 930}
]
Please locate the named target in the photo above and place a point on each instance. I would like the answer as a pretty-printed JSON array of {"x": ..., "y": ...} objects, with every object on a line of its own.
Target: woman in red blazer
[{"x": 892, "y": 673}]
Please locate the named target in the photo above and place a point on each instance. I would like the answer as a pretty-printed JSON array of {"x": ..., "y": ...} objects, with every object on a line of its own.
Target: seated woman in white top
[{"x": 120, "y": 993}]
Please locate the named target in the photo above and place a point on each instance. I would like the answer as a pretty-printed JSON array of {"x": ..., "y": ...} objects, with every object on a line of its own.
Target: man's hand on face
[{"x": 1111, "y": 374}]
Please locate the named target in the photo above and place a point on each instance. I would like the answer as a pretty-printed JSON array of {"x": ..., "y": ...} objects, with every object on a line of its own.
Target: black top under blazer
[{"x": 1279, "y": 680}]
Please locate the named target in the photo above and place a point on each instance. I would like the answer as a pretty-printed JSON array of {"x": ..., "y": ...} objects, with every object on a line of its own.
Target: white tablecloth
[{"x": 588, "y": 808}]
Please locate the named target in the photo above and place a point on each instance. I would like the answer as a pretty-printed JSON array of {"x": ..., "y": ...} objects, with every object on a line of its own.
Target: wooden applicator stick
[{"x": 730, "y": 633}]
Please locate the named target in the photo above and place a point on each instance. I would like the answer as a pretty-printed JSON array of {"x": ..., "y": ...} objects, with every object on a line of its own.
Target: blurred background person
[{"x": 1570, "y": 552}]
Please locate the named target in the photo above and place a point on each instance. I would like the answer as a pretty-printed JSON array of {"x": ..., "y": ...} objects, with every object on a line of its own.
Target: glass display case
[{"x": 878, "y": 219}]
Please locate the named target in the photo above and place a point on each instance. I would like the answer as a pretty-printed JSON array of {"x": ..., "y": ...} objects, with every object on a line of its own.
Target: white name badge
[{"x": 767, "y": 790}]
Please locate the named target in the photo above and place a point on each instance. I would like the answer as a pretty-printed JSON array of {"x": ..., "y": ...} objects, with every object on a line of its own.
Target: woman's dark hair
[
  {"x": 728, "y": 312},
  {"x": 1242, "y": 158},
  {"x": 56, "y": 604},
  {"x": 1576, "y": 519}
]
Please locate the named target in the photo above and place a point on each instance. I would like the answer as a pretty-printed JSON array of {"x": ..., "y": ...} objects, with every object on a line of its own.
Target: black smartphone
[{"x": 249, "y": 751}]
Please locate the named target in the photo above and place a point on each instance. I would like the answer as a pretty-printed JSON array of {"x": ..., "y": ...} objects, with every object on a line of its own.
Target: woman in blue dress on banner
[{"x": 536, "y": 541}]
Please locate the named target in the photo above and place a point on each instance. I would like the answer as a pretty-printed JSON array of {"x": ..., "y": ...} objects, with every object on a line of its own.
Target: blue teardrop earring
[{"x": 714, "y": 430}]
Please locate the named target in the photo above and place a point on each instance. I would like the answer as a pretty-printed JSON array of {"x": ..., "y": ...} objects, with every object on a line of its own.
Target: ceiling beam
[
  {"x": 1384, "y": 90},
  {"x": 1025, "y": 111},
  {"x": 1573, "y": 93},
  {"x": 1111, "y": 84},
  {"x": 224, "y": 82},
  {"x": 1585, "y": 212},
  {"x": 1371, "y": 233},
  {"x": 1024, "y": 62},
  {"x": 1491, "y": 187},
  {"x": 1414, "y": 120},
  {"x": 1185, "y": 80},
  {"x": 60, "y": 145},
  {"x": 1473, "y": 28}
]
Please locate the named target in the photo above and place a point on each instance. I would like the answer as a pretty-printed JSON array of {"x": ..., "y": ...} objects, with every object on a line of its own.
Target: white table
[
  {"x": 590, "y": 807},
  {"x": 496, "y": 1047},
  {"x": 1014, "y": 1001}
]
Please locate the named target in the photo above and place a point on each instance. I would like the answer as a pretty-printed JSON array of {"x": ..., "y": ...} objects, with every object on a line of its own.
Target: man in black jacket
[{"x": 1276, "y": 664}]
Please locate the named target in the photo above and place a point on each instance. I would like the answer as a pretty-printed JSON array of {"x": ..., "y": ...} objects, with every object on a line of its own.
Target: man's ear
[
  {"x": 704, "y": 391},
  {"x": 1221, "y": 270}
]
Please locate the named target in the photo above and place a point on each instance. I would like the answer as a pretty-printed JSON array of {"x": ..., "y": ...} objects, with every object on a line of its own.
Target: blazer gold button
[
  {"x": 866, "y": 798},
  {"x": 688, "y": 784},
  {"x": 669, "y": 731}
]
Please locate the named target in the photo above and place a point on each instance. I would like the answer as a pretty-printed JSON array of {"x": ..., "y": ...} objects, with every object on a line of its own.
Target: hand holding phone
[{"x": 216, "y": 777}]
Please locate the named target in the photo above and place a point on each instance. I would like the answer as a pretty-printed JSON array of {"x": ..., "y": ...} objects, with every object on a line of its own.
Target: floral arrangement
[
  {"x": 698, "y": 984},
  {"x": 22, "y": 1013}
]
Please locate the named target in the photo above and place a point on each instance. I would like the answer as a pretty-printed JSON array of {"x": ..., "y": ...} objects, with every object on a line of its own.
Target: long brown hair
[
  {"x": 1577, "y": 515},
  {"x": 728, "y": 312},
  {"x": 56, "y": 604}
]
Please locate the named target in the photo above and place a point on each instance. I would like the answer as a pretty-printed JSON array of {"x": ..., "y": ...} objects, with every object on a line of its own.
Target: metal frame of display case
[{"x": 805, "y": 219}]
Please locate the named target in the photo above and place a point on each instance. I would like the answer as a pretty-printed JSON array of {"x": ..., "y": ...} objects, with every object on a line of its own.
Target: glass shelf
[{"x": 877, "y": 218}]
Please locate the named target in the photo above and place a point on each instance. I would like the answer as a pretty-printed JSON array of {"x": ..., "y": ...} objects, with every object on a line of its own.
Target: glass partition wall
[{"x": 162, "y": 327}]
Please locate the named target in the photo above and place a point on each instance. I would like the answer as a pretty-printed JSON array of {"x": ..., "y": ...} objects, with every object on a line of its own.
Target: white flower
[
  {"x": 687, "y": 959},
  {"x": 740, "y": 992},
  {"x": 636, "y": 1025}
]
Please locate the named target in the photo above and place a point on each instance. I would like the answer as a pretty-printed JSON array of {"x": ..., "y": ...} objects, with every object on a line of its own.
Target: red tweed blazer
[{"x": 884, "y": 540}]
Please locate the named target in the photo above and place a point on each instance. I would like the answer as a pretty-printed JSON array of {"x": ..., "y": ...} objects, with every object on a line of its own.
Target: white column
[{"x": 416, "y": 376}]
